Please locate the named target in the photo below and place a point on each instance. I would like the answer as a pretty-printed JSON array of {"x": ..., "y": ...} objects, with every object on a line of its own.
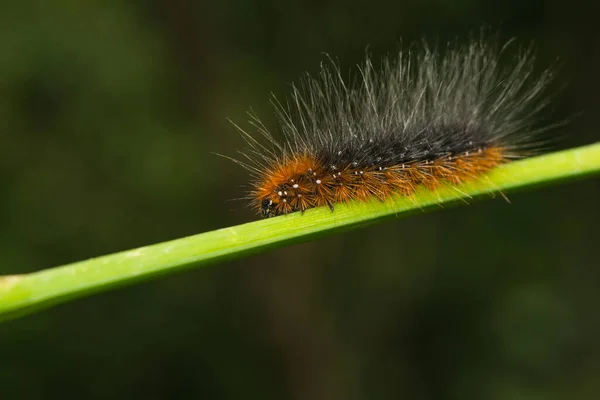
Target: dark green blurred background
[{"x": 108, "y": 113}]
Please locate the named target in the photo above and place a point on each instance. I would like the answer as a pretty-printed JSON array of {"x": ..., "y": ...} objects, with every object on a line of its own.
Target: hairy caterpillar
[{"x": 423, "y": 117}]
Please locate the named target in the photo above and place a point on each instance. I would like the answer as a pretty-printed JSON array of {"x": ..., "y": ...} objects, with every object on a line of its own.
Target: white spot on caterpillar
[
  {"x": 280, "y": 193},
  {"x": 295, "y": 186},
  {"x": 318, "y": 182}
]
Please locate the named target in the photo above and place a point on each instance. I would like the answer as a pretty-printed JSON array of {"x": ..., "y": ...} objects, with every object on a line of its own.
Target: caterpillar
[{"x": 423, "y": 117}]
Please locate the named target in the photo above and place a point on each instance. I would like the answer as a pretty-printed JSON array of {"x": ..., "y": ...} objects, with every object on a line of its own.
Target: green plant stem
[{"x": 24, "y": 294}]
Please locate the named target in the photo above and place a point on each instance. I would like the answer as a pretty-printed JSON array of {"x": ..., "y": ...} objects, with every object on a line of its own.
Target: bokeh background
[{"x": 109, "y": 111}]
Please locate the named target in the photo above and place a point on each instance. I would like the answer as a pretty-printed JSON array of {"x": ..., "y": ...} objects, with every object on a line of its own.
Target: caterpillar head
[
  {"x": 282, "y": 200},
  {"x": 267, "y": 208}
]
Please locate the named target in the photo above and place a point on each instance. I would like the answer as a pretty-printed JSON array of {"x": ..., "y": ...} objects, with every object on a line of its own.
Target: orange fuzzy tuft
[{"x": 303, "y": 182}]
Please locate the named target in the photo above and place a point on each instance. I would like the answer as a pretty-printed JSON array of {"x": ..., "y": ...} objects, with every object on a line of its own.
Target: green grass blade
[{"x": 24, "y": 294}]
